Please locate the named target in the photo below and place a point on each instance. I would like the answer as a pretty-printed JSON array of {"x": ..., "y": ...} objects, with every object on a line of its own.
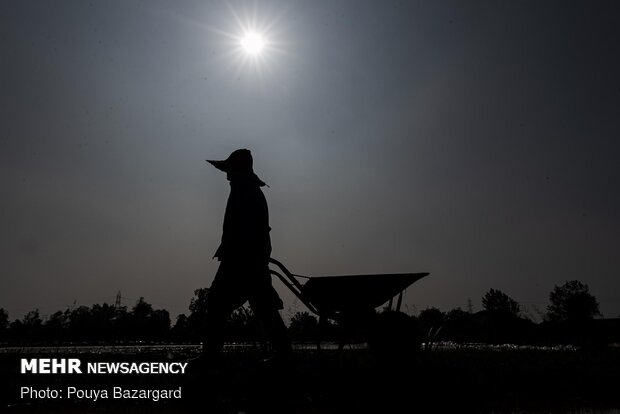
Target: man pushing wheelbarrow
[{"x": 244, "y": 275}]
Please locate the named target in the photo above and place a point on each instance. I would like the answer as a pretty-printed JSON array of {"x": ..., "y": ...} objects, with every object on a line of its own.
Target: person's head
[{"x": 239, "y": 164}]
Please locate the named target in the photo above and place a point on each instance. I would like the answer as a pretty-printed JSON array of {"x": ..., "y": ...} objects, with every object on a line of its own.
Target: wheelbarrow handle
[{"x": 290, "y": 281}]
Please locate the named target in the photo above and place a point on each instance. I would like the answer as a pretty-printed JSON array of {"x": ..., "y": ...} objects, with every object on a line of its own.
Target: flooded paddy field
[{"x": 472, "y": 378}]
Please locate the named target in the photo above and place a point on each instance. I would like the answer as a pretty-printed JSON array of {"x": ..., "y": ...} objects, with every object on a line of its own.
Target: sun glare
[{"x": 253, "y": 43}]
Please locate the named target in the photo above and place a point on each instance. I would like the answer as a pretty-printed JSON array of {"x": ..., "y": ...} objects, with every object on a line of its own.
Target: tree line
[{"x": 570, "y": 318}]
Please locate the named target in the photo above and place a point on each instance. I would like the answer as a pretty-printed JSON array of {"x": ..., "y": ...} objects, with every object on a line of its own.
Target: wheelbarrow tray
[
  {"x": 352, "y": 299},
  {"x": 334, "y": 294},
  {"x": 328, "y": 296}
]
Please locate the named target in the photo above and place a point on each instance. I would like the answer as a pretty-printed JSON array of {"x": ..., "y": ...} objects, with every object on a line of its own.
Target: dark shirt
[{"x": 246, "y": 223}]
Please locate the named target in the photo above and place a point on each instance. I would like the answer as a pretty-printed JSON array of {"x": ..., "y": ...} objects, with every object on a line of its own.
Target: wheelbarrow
[{"x": 351, "y": 301}]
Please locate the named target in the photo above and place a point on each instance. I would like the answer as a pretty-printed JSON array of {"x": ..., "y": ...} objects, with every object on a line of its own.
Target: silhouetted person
[{"x": 244, "y": 252}]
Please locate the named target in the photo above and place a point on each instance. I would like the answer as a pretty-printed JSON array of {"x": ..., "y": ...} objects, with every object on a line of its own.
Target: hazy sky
[{"x": 478, "y": 141}]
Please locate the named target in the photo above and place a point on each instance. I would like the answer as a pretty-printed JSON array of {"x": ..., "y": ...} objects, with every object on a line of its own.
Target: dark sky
[{"x": 475, "y": 140}]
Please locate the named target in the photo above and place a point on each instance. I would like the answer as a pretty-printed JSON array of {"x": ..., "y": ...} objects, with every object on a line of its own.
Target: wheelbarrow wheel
[{"x": 394, "y": 336}]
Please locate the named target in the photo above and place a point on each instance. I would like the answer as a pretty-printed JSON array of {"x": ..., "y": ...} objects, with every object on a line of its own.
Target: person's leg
[{"x": 224, "y": 296}]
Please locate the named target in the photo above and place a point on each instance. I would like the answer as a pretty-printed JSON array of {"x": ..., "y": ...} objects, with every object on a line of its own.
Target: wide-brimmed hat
[{"x": 240, "y": 161}]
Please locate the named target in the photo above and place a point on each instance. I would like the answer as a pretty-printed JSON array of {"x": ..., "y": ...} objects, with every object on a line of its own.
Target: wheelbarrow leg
[{"x": 321, "y": 331}]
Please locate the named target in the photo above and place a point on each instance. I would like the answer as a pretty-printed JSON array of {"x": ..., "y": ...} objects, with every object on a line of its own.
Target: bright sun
[{"x": 253, "y": 43}]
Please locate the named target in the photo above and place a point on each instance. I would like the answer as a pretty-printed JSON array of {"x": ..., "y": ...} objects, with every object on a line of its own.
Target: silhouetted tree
[
  {"x": 33, "y": 319},
  {"x": 159, "y": 324},
  {"x": 499, "y": 304},
  {"x": 149, "y": 323},
  {"x": 430, "y": 321},
  {"x": 80, "y": 327},
  {"x": 123, "y": 323},
  {"x": 4, "y": 320},
  {"x": 459, "y": 326},
  {"x": 242, "y": 325},
  {"x": 32, "y": 324},
  {"x": 16, "y": 330},
  {"x": 431, "y": 317},
  {"x": 457, "y": 315},
  {"x": 56, "y": 325},
  {"x": 102, "y": 319},
  {"x": 142, "y": 309},
  {"x": 303, "y": 326},
  {"x": 180, "y": 329},
  {"x": 500, "y": 322},
  {"x": 572, "y": 302},
  {"x": 197, "y": 312}
]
